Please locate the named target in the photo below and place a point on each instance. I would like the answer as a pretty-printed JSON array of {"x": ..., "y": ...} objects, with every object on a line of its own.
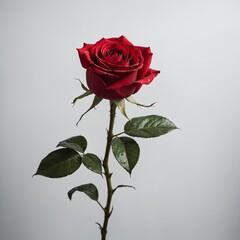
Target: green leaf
[
  {"x": 89, "y": 189},
  {"x": 121, "y": 105},
  {"x": 77, "y": 143},
  {"x": 92, "y": 162},
  {"x": 126, "y": 151},
  {"x": 95, "y": 102},
  {"x": 133, "y": 101},
  {"x": 59, "y": 163},
  {"x": 148, "y": 126}
]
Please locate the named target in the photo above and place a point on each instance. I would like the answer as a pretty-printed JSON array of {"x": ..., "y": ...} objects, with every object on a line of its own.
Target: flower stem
[{"x": 108, "y": 210}]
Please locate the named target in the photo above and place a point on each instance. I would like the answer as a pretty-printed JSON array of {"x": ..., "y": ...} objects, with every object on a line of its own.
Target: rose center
[{"x": 115, "y": 55}]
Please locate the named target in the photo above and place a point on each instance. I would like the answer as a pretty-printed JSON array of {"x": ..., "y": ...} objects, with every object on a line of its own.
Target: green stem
[{"x": 110, "y": 191}]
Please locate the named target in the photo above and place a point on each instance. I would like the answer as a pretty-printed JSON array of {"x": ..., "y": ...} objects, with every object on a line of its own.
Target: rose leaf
[
  {"x": 149, "y": 126},
  {"x": 77, "y": 143},
  {"x": 59, "y": 163},
  {"x": 89, "y": 189},
  {"x": 92, "y": 162},
  {"x": 126, "y": 151}
]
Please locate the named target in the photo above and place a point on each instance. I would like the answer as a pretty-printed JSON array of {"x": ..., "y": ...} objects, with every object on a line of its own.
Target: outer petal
[
  {"x": 98, "y": 87},
  {"x": 95, "y": 83},
  {"x": 126, "y": 91},
  {"x": 121, "y": 39},
  {"x": 119, "y": 93},
  {"x": 151, "y": 74},
  {"x": 137, "y": 88},
  {"x": 126, "y": 81},
  {"x": 84, "y": 56},
  {"x": 111, "y": 95},
  {"x": 147, "y": 55}
]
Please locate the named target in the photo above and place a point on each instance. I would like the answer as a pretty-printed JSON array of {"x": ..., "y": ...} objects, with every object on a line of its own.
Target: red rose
[{"x": 116, "y": 68}]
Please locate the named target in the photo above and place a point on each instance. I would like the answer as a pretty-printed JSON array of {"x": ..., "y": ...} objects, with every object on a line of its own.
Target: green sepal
[
  {"x": 126, "y": 151},
  {"x": 89, "y": 189},
  {"x": 133, "y": 101},
  {"x": 82, "y": 85},
  {"x": 92, "y": 162},
  {"x": 87, "y": 93},
  {"x": 121, "y": 105},
  {"x": 95, "y": 102},
  {"x": 59, "y": 163},
  {"x": 77, "y": 143},
  {"x": 148, "y": 126}
]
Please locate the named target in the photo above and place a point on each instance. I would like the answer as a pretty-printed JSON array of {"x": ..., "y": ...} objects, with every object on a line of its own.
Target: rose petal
[
  {"x": 111, "y": 95},
  {"x": 125, "y": 91},
  {"x": 151, "y": 74},
  {"x": 98, "y": 87},
  {"x": 118, "y": 68},
  {"x": 100, "y": 42},
  {"x": 85, "y": 57},
  {"x": 95, "y": 83},
  {"x": 147, "y": 61},
  {"x": 86, "y": 60},
  {"x": 145, "y": 50},
  {"x": 138, "y": 86},
  {"x": 103, "y": 63},
  {"x": 119, "y": 93},
  {"x": 134, "y": 61},
  {"x": 147, "y": 56},
  {"x": 125, "y": 81},
  {"x": 103, "y": 71},
  {"x": 121, "y": 39}
]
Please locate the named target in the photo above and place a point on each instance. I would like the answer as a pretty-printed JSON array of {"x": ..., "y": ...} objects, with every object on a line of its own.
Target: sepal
[
  {"x": 87, "y": 93},
  {"x": 121, "y": 105},
  {"x": 82, "y": 85},
  {"x": 133, "y": 101},
  {"x": 95, "y": 102}
]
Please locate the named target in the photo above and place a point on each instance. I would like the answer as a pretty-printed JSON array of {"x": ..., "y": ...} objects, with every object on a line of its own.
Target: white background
[{"x": 187, "y": 182}]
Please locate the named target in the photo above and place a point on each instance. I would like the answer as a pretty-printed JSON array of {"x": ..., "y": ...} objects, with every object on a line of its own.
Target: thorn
[
  {"x": 99, "y": 225},
  {"x": 111, "y": 212}
]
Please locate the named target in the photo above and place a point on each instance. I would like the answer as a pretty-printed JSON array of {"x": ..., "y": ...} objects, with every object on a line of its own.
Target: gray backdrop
[{"x": 187, "y": 182}]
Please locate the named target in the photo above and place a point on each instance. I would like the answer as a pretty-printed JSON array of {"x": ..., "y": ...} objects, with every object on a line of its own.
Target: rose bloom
[{"x": 116, "y": 68}]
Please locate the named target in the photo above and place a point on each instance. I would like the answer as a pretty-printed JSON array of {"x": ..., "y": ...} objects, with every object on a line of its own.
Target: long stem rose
[{"x": 115, "y": 70}]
